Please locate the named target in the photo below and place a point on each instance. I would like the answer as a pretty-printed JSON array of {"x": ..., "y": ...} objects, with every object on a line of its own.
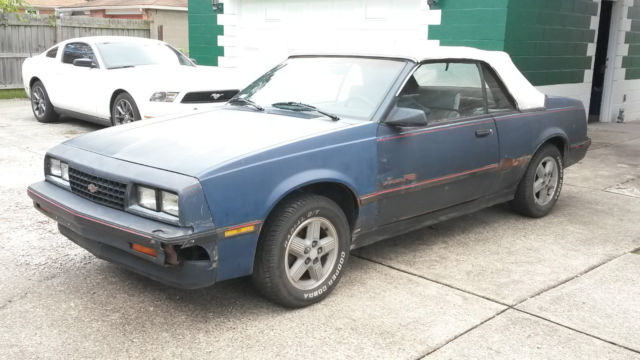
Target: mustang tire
[
  {"x": 40, "y": 104},
  {"x": 540, "y": 187},
  {"x": 124, "y": 110},
  {"x": 302, "y": 251}
]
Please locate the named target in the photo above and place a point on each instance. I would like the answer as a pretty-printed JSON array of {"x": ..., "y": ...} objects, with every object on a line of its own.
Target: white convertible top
[{"x": 527, "y": 97}]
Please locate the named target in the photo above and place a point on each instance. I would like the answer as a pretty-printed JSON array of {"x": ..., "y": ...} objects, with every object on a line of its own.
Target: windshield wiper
[
  {"x": 121, "y": 67},
  {"x": 298, "y": 106},
  {"x": 245, "y": 101}
]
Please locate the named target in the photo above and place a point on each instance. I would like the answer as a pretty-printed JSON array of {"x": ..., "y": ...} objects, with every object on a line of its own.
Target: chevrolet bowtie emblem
[{"x": 92, "y": 188}]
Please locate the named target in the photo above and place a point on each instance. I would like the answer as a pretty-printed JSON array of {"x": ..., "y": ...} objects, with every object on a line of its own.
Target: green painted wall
[
  {"x": 632, "y": 61},
  {"x": 476, "y": 23},
  {"x": 547, "y": 39},
  {"x": 203, "y": 32}
]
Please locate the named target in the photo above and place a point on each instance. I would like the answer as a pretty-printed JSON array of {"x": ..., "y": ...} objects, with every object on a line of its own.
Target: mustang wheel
[
  {"x": 540, "y": 187},
  {"x": 302, "y": 251},
  {"x": 40, "y": 104},
  {"x": 124, "y": 110}
]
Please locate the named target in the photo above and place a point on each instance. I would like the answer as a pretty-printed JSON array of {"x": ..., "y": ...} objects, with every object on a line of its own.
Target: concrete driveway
[{"x": 488, "y": 285}]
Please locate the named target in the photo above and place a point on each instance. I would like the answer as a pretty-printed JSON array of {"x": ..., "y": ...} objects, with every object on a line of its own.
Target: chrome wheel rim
[
  {"x": 123, "y": 112},
  {"x": 311, "y": 253},
  {"x": 37, "y": 102},
  {"x": 545, "y": 183}
]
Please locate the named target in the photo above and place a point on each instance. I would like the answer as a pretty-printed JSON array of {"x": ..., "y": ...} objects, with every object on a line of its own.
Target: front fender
[{"x": 302, "y": 179}]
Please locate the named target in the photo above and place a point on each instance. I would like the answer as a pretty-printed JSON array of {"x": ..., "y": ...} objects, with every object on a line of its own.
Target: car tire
[
  {"x": 540, "y": 187},
  {"x": 124, "y": 110},
  {"x": 41, "y": 105},
  {"x": 291, "y": 266}
]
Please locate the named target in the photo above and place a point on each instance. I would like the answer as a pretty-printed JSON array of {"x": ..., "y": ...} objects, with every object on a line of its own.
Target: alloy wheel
[
  {"x": 38, "y": 102},
  {"x": 124, "y": 112},
  {"x": 311, "y": 253},
  {"x": 545, "y": 183}
]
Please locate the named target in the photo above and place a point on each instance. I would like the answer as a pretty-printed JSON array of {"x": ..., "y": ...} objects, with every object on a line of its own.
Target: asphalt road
[{"x": 488, "y": 285}]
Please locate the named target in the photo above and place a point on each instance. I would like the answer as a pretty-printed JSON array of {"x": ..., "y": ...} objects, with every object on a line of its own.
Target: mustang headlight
[
  {"x": 59, "y": 169},
  {"x": 164, "y": 96},
  {"x": 157, "y": 200}
]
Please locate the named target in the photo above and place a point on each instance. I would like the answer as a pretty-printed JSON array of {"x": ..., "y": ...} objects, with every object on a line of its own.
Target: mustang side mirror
[
  {"x": 84, "y": 62},
  {"x": 402, "y": 116},
  {"x": 193, "y": 61}
]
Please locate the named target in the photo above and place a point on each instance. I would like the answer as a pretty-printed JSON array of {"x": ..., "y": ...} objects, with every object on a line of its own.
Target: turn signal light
[
  {"x": 238, "y": 231},
  {"x": 144, "y": 250}
]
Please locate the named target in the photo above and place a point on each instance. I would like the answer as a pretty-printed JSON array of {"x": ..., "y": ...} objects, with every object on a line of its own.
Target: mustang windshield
[
  {"x": 345, "y": 86},
  {"x": 124, "y": 54}
]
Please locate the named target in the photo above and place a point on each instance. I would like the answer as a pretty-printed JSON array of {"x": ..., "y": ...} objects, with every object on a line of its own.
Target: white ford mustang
[{"x": 116, "y": 80}]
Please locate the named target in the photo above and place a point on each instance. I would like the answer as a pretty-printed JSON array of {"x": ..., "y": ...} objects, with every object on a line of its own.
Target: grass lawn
[{"x": 12, "y": 94}]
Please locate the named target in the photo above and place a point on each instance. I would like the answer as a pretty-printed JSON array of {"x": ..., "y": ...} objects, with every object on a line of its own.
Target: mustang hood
[
  {"x": 192, "y": 144},
  {"x": 182, "y": 78}
]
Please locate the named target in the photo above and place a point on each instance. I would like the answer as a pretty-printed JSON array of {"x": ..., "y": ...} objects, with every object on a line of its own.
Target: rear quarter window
[{"x": 52, "y": 53}]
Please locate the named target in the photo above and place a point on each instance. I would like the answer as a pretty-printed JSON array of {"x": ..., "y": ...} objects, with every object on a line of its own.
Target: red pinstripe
[
  {"x": 86, "y": 217},
  {"x": 451, "y": 176}
]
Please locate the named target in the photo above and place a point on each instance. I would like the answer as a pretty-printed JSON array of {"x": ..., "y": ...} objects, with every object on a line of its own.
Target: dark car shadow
[
  {"x": 239, "y": 295},
  {"x": 80, "y": 123}
]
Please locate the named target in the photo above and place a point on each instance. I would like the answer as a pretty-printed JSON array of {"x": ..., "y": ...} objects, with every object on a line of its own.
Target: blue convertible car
[{"x": 321, "y": 155}]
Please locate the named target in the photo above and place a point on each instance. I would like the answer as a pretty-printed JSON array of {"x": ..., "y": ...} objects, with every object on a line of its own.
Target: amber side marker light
[
  {"x": 144, "y": 250},
  {"x": 238, "y": 231}
]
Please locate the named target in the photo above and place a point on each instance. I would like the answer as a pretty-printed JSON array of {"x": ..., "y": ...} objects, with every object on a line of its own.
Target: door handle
[{"x": 484, "y": 132}]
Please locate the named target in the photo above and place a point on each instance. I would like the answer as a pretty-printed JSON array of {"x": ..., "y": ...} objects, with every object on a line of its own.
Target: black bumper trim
[
  {"x": 188, "y": 275},
  {"x": 112, "y": 242},
  {"x": 577, "y": 152}
]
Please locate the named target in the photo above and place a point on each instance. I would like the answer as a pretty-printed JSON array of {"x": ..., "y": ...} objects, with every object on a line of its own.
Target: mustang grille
[
  {"x": 103, "y": 191},
  {"x": 209, "y": 96}
]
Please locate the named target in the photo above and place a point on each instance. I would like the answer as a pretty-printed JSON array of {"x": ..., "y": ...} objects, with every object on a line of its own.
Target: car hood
[
  {"x": 203, "y": 141},
  {"x": 182, "y": 78}
]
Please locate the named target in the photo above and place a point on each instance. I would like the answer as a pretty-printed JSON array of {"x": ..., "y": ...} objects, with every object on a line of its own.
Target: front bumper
[{"x": 109, "y": 234}]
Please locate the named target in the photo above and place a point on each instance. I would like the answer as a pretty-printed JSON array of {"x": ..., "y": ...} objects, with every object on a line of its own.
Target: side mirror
[
  {"x": 193, "y": 61},
  {"x": 402, "y": 116},
  {"x": 84, "y": 62}
]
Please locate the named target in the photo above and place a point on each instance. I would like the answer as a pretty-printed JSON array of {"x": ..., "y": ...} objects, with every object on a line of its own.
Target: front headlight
[
  {"x": 170, "y": 203},
  {"x": 164, "y": 96},
  {"x": 59, "y": 169},
  {"x": 55, "y": 167},
  {"x": 157, "y": 200},
  {"x": 147, "y": 198}
]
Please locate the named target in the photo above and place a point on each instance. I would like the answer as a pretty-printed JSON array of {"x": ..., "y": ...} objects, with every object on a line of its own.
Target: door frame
[{"x": 606, "y": 108}]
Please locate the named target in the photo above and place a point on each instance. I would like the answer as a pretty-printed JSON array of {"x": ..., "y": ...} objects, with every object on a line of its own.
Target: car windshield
[
  {"x": 345, "y": 86},
  {"x": 128, "y": 54}
]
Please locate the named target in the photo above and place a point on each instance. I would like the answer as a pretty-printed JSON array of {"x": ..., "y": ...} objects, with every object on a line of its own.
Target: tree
[{"x": 12, "y": 6}]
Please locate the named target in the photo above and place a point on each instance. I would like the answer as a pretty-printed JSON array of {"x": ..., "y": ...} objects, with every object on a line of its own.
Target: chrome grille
[{"x": 106, "y": 192}]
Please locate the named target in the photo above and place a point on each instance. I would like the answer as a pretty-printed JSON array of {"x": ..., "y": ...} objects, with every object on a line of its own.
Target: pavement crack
[
  {"x": 430, "y": 280},
  {"x": 507, "y": 306},
  {"x": 562, "y": 282},
  {"x": 13, "y": 300},
  {"x": 637, "y": 351},
  {"x": 462, "y": 334}
]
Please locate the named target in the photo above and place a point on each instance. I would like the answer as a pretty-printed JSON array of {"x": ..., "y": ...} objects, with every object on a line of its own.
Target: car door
[
  {"x": 451, "y": 160},
  {"x": 78, "y": 84}
]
